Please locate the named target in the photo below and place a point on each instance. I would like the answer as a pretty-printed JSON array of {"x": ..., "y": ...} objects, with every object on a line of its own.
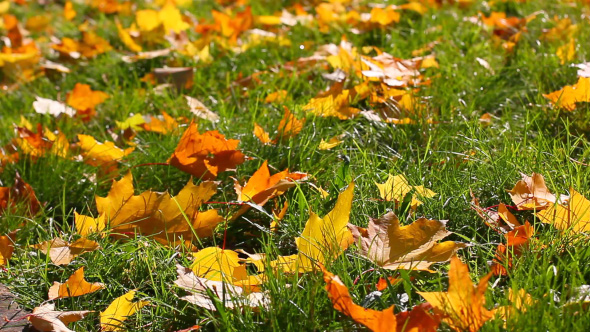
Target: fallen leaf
[
  {"x": 62, "y": 253},
  {"x": 180, "y": 77},
  {"x": 397, "y": 187},
  {"x": 166, "y": 219},
  {"x": 52, "y": 107},
  {"x": 6, "y": 247},
  {"x": 46, "y": 319},
  {"x": 418, "y": 319},
  {"x": 462, "y": 306},
  {"x": 89, "y": 46},
  {"x": 118, "y": 311},
  {"x": 276, "y": 97},
  {"x": 218, "y": 264},
  {"x": 531, "y": 193},
  {"x": 567, "y": 97},
  {"x": 205, "y": 155},
  {"x": 415, "y": 246},
  {"x": 163, "y": 125},
  {"x": 85, "y": 100},
  {"x": 289, "y": 127},
  {"x": 76, "y": 285},
  {"x": 384, "y": 283},
  {"x": 20, "y": 192},
  {"x": 200, "y": 110},
  {"x": 573, "y": 216},
  {"x": 517, "y": 241},
  {"x": 105, "y": 155},
  {"x": 69, "y": 12},
  {"x": 262, "y": 186},
  {"x": 567, "y": 52},
  {"x": 330, "y": 144},
  {"x": 325, "y": 238},
  {"x": 228, "y": 295}
]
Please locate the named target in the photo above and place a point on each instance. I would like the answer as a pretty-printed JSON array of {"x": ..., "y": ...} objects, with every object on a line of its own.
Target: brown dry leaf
[
  {"x": 85, "y": 100},
  {"x": 76, "y": 285},
  {"x": 227, "y": 294},
  {"x": 46, "y": 319},
  {"x": 531, "y": 193},
  {"x": 419, "y": 319},
  {"x": 462, "y": 306},
  {"x": 20, "y": 192},
  {"x": 62, "y": 253},
  {"x": 118, "y": 311},
  {"x": 414, "y": 246},
  {"x": 6, "y": 247},
  {"x": 180, "y": 77},
  {"x": 205, "y": 155},
  {"x": 167, "y": 219},
  {"x": 567, "y": 97},
  {"x": 574, "y": 216}
]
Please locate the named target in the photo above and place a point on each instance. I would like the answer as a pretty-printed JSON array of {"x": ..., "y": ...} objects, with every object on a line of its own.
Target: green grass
[{"x": 526, "y": 135}]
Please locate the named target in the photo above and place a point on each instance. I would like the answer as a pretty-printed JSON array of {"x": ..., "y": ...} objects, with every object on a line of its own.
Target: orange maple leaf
[
  {"x": 289, "y": 127},
  {"x": 84, "y": 100},
  {"x": 567, "y": 97},
  {"x": 418, "y": 319},
  {"x": 462, "y": 305},
  {"x": 205, "y": 155},
  {"x": 516, "y": 242}
]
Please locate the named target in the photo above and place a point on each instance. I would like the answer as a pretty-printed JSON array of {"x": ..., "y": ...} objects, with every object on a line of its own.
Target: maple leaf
[
  {"x": 69, "y": 11},
  {"x": 84, "y": 100},
  {"x": 89, "y": 46},
  {"x": 45, "y": 318},
  {"x": 218, "y": 264},
  {"x": 104, "y": 155},
  {"x": 167, "y": 219},
  {"x": 324, "y": 238},
  {"x": 262, "y": 186},
  {"x": 163, "y": 125},
  {"x": 119, "y": 310},
  {"x": 76, "y": 285},
  {"x": 517, "y": 241},
  {"x": 414, "y": 246},
  {"x": 62, "y": 253},
  {"x": 20, "y": 192},
  {"x": 462, "y": 306},
  {"x": 200, "y": 110},
  {"x": 501, "y": 220},
  {"x": 574, "y": 216},
  {"x": 277, "y": 97},
  {"x": 38, "y": 144},
  {"x": 531, "y": 193},
  {"x": 229, "y": 295},
  {"x": 418, "y": 319},
  {"x": 396, "y": 188},
  {"x": 337, "y": 102},
  {"x": 330, "y": 144},
  {"x": 6, "y": 247},
  {"x": 567, "y": 97},
  {"x": 205, "y": 155},
  {"x": 289, "y": 127},
  {"x": 52, "y": 107}
]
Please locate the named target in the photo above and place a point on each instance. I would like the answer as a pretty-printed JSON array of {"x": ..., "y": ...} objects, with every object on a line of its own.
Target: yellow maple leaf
[{"x": 118, "y": 311}]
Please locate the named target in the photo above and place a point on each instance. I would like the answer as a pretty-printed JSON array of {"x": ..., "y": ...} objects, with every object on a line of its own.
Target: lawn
[{"x": 311, "y": 129}]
